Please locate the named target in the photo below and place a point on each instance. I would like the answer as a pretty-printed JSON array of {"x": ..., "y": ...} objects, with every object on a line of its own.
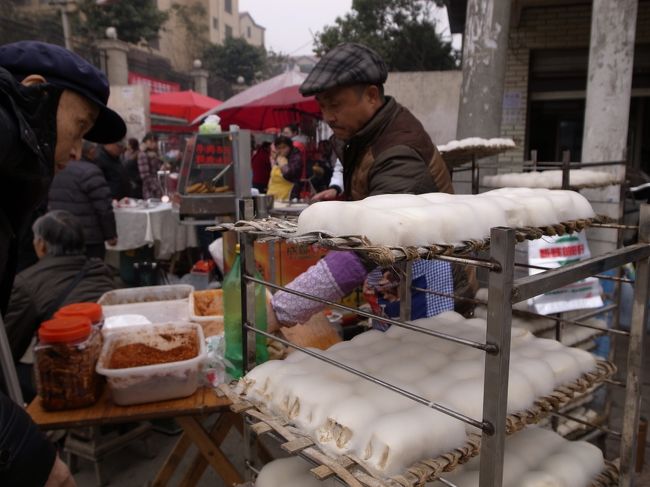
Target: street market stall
[
  {"x": 156, "y": 225},
  {"x": 496, "y": 411}
]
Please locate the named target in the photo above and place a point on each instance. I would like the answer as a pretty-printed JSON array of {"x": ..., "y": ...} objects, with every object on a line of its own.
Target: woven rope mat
[
  {"x": 352, "y": 470},
  {"x": 276, "y": 228}
]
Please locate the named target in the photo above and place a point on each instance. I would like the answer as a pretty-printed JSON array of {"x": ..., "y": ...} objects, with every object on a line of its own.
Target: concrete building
[
  {"x": 545, "y": 86},
  {"x": 222, "y": 19},
  {"x": 576, "y": 77},
  {"x": 178, "y": 43},
  {"x": 250, "y": 30}
]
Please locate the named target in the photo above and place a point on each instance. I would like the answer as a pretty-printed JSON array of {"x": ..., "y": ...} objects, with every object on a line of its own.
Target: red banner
[{"x": 155, "y": 85}]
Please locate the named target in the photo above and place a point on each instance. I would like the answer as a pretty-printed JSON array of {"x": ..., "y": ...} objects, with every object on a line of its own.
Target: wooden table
[{"x": 187, "y": 412}]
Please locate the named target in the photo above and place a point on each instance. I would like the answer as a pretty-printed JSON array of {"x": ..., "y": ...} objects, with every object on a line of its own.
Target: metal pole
[
  {"x": 246, "y": 209},
  {"x": 635, "y": 357},
  {"x": 495, "y": 388},
  {"x": 241, "y": 156},
  {"x": 246, "y": 244},
  {"x": 8, "y": 367},
  {"x": 406, "y": 276},
  {"x": 474, "y": 175},
  {"x": 66, "y": 26},
  {"x": 566, "y": 171}
]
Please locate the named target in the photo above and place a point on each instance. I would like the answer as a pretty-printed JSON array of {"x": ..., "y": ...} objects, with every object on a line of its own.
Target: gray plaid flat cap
[{"x": 346, "y": 64}]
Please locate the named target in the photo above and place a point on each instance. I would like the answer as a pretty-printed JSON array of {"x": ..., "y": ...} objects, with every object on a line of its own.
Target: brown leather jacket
[{"x": 393, "y": 154}]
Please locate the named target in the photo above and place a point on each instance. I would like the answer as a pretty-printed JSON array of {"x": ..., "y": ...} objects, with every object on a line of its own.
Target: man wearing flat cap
[
  {"x": 384, "y": 150},
  {"x": 383, "y": 147},
  {"x": 50, "y": 99}
]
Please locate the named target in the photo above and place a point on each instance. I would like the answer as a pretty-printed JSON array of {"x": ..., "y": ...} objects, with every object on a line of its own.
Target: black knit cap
[
  {"x": 346, "y": 64},
  {"x": 66, "y": 69}
]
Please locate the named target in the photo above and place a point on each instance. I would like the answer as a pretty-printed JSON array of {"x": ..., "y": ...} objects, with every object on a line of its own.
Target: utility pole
[{"x": 65, "y": 22}]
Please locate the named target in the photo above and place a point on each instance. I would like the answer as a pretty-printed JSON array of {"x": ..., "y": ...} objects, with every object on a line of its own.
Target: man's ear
[
  {"x": 33, "y": 79},
  {"x": 372, "y": 92}
]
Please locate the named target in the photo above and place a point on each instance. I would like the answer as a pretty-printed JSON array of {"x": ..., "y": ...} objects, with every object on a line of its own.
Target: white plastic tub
[
  {"x": 147, "y": 294},
  {"x": 149, "y": 383},
  {"x": 158, "y": 304}
]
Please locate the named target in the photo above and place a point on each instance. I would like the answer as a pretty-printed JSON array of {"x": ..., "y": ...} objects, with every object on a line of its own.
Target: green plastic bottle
[{"x": 233, "y": 319}]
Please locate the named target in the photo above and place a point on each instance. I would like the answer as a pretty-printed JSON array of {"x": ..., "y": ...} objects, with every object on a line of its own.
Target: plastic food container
[
  {"x": 159, "y": 304},
  {"x": 65, "y": 360},
  {"x": 92, "y": 311},
  {"x": 212, "y": 324},
  {"x": 146, "y": 294},
  {"x": 159, "y": 382}
]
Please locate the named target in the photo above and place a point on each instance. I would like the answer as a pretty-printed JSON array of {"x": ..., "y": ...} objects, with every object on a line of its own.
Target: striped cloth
[{"x": 427, "y": 274}]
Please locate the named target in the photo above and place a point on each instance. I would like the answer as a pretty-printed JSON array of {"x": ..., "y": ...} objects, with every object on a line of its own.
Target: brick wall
[
  {"x": 544, "y": 28},
  {"x": 554, "y": 28}
]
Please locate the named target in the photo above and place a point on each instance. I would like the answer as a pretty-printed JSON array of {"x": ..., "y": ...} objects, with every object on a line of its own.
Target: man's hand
[
  {"x": 327, "y": 195},
  {"x": 60, "y": 475},
  {"x": 112, "y": 241}
]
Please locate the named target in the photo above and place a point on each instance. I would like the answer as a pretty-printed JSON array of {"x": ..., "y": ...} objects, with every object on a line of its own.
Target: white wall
[{"x": 432, "y": 96}]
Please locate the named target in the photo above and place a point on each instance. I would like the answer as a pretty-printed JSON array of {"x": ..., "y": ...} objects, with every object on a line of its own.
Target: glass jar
[
  {"x": 65, "y": 360},
  {"x": 92, "y": 311}
]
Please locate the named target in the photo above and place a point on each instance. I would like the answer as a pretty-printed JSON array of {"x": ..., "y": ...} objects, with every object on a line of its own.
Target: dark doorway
[{"x": 556, "y": 126}]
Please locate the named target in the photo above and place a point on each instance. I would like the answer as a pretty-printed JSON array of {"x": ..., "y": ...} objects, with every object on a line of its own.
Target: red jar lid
[
  {"x": 65, "y": 330},
  {"x": 92, "y": 311}
]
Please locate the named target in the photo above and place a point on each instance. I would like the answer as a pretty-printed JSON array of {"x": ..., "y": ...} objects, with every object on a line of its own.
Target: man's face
[
  {"x": 347, "y": 109},
  {"x": 287, "y": 132},
  {"x": 74, "y": 118}
]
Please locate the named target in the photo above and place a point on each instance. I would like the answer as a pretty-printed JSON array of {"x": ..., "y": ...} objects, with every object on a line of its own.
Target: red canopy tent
[
  {"x": 186, "y": 105},
  {"x": 273, "y": 103}
]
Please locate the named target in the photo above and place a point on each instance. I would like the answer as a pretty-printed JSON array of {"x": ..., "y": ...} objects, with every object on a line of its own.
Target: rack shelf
[{"x": 504, "y": 291}]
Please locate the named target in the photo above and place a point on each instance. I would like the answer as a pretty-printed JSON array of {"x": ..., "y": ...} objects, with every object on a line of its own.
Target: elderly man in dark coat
[{"x": 50, "y": 99}]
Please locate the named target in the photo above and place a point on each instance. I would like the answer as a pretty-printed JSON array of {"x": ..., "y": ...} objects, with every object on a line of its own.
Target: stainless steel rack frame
[{"x": 504, "y": 291}]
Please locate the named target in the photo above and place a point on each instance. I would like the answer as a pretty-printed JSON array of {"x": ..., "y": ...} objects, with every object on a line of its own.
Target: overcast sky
[{"x": 290, "y": 24}]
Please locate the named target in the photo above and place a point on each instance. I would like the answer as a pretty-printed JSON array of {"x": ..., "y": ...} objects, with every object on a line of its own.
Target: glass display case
[{"x": 215, "y": 170}]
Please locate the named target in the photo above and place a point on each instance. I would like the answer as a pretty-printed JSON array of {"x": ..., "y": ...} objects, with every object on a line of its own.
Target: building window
[
  {"x": 215, "y": 23},
  {"x": 248, "y": 32},
  {"x": 228, "y": 6},
  {"x": 228, "y": 31}
]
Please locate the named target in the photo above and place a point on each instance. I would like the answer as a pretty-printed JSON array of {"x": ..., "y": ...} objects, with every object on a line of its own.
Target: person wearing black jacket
[
  {"x": 108, "y": 160},
  {"x": 81, "y": 189},
  {"x": 50, "y": 99}
]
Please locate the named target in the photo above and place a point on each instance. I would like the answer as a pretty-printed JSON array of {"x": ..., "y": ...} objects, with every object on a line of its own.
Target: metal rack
[{"x": 504, "y": 291}]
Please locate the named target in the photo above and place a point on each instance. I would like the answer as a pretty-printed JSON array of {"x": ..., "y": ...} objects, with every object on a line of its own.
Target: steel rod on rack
[
  {"x": 635, "y": 355},
  {"x": 615, "y": 226},
  {"x": 613, "y": 382},
  {"x": 486, "y": 347},
  {"x": 532, "y": 314},
  {"x": 585, "y": 423},
  {"x": 530, "y": 286},
  {"x": 599, "y": 276},
  {"x": 486, "y": 264},
  {"x": 246, "y": 209},
  {"x": 499, "y": 325},
  {"x": 414, "y": 397}
]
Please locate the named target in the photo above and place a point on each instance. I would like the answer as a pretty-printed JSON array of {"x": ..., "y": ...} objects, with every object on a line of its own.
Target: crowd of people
[
  {"x": 378, "y": 147},
  {"x": 292, "y": 169}
]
